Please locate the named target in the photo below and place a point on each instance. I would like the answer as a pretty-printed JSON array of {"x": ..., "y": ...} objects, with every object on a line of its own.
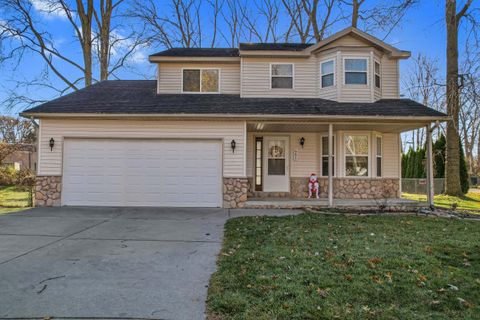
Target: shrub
[{"x": 22, "y": 178}]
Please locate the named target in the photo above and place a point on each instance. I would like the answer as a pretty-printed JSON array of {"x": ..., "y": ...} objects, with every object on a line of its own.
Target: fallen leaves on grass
[{"x": 373, "y": 262}]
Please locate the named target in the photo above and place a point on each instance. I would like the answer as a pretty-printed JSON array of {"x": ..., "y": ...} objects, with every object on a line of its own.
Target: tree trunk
[
  {"x": 355, "y": 5},
  {"x": 452, "y": 164},
  {"x": 105, "y": 18}
]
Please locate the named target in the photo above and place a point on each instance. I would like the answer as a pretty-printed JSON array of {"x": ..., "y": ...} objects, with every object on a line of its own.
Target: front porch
[{"x": 358, "y": 164}]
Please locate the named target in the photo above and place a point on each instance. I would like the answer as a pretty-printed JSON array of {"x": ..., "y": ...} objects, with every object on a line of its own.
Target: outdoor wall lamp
[
  {"x": 302, "y": 141},
  {"x": 233, "y": 144},
  {"x": 52, "y": 143}
]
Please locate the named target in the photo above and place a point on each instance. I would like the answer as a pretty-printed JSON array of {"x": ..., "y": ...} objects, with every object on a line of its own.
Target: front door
[{"x": 276, "y": 164}]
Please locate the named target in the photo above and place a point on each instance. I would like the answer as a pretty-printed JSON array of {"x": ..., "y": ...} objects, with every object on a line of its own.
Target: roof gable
[{"x": 358, "y": 37}]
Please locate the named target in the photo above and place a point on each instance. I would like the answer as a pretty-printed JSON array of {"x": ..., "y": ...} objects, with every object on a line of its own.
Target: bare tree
[
  {"x": 23, "y": 30},
  {"x": 233, "y": 21},
  {"x": 423, "y": 84},
  {"x": 176, "y": 25},
  {"x": 14, "y": 133},
  {"x": 452, "y": 163},
  {"x": 382, "y": 15},
  {"x": 300, "y": 22}
]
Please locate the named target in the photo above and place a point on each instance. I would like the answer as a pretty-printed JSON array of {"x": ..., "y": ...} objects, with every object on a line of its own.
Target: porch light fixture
[
  {"x": 233, "y": 144},
  {"x": 52, "y": 143},
  {"x": 302, "y": 141}
]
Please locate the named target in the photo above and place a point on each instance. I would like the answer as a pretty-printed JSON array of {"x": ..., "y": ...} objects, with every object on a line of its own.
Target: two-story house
[{"x": 220, "y": 126}]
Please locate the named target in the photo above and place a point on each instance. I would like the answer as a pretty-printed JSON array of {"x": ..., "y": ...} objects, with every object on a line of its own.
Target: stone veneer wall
[
  {"x": 235, "y": 192},
  {"x": 48, "y": 190},
  {"x": 349, "y": 188}
]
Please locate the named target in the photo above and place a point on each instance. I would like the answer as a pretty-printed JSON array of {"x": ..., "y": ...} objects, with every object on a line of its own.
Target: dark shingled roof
[
  {"x": 198, "y": 52},
  {"x": 275, "y": 46},
  {"x": 139, "y": 97}
]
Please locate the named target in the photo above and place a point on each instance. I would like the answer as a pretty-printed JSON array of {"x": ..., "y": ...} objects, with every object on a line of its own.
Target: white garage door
[{"x": 109, "y": 172}]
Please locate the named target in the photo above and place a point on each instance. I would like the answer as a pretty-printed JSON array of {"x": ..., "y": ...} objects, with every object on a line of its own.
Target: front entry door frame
[{"x": 276, "y": 182}]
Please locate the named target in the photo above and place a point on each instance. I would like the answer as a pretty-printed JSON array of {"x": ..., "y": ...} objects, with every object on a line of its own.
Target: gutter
[{"x": 208, "y": 116}]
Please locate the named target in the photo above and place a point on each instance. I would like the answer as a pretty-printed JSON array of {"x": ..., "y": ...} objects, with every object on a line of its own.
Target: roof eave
[
  {"x": 155, "y": 59},
  {"x": 207, "y": 116}
]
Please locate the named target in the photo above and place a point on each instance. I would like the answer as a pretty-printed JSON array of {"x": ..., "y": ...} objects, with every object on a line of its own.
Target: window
[
  {"x": 327, "y": 70},
  {"x": 276, "y": 157},
  {"x": 355, "y": 71},
  {"x": 377, "y": 74},
  {"x": 356, "y": 155},
  {"x": 258, "y": 163},
  {"x": 325, "y": 156},
  {"x": 201, "y": 80},
  {"x": 282, "y": 76},
  {"x": 379, "y": 156}
]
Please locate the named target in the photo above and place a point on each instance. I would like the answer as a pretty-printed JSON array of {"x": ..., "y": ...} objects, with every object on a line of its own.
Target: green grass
[
  {"x": 317, "y": 266},
  {"x": 13, "y": 199},
  {"x": 469, "y": 202}
]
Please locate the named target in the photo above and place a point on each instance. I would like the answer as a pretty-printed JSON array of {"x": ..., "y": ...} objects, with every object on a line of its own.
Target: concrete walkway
[{"x": 110, "y": 263}]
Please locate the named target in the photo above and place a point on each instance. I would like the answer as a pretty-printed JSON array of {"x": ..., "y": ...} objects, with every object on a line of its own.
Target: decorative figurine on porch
[{"x": 313, "y": 185}]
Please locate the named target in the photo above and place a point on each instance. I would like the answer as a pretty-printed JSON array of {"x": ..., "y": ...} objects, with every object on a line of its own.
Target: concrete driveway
[{"x": 110, "y": 263}]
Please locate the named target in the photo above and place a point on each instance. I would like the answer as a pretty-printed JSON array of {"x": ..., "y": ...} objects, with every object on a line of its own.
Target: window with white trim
[
  {"x": 356, "y": 155},
  {"x": 201, "y": 80},
  {"x": 282, "y": 76},
  {"x": 379, "y": 153},
  {"x": 324, "y": 156},
  {"x": 355, "y": 70},
  {"x": 377, "y": 74},
  {"x": 327, "y": 70}
]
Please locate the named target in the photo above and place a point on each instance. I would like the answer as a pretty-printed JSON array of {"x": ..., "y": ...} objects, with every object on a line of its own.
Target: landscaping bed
[{"x": 316, "y": 266}]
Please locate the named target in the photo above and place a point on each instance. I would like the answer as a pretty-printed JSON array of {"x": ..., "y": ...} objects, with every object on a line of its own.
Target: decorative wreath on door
[{"x": 276, "y": 152}]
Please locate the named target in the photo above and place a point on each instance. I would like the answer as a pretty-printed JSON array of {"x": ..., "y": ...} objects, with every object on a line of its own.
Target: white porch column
[
  {"x": 430, "y": 187},
  {"x": 330, "y": 165}
]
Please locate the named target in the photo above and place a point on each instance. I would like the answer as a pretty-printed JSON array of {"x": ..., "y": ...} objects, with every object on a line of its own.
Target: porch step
[{"x": 343, "y": 204}]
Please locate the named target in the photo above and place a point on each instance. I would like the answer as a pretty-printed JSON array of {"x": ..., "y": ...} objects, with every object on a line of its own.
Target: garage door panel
[{"x": 142, "y": 173}]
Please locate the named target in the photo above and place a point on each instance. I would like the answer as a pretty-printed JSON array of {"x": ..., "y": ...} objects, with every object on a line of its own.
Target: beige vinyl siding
[
  {"x": 346, "y": 41},
  {"x": 391, "y": 155},
  {"x": 390, "y": 85},
  {"x": 307, "y": 157},
  {"x": 170, "y": 76},
  {"x": 329, "y": 93},
  {"x": 256, "y": 78},
  {"x": 50, "y": 162}
]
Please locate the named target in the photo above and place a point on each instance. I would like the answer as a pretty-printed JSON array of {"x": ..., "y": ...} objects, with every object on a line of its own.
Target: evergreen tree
[{"x": 439, "y": 157}]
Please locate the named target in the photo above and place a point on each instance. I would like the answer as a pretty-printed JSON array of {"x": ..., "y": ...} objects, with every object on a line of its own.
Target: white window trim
[
  {"x": 379, "y": 74},
  {"x": 293, "y": 75},
  {"x": 321, "y": 74},
  {"x": 345, "y": 71},
  {"x": 334, "y": 156},
  {"x": 200, "y": 92},
  {"x": 379, "y": 156},
  {"x": 345, "y": 155}
]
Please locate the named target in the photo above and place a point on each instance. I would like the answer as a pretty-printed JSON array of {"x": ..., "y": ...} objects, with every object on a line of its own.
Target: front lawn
[
  {"x": 317, "y": 266},
  {"x": 13, "y": 199},
  {"x": 469, "y": 202}
]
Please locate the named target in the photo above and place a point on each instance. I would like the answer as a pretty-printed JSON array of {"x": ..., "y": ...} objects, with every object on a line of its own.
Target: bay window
[
  {"x": 201, "y": 80},
  {"x": 281, "y": 76},
  {"x": 356, "y": 155},
  {"x": 355, "y": 70},
  {"x": 377, "y": 74},
  {"x": 327, "y": 70}
]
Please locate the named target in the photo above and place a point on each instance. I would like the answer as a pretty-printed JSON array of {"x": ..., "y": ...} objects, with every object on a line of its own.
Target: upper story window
[
  {"x": 327, "y": 69},
  {"x": 356, "y": 155},
  {"x": 355, "y": 71},
  {"x": 377, "y": 74},
  {"x": 201, "y": 80},
  {"x": 282, "y": 76}
]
